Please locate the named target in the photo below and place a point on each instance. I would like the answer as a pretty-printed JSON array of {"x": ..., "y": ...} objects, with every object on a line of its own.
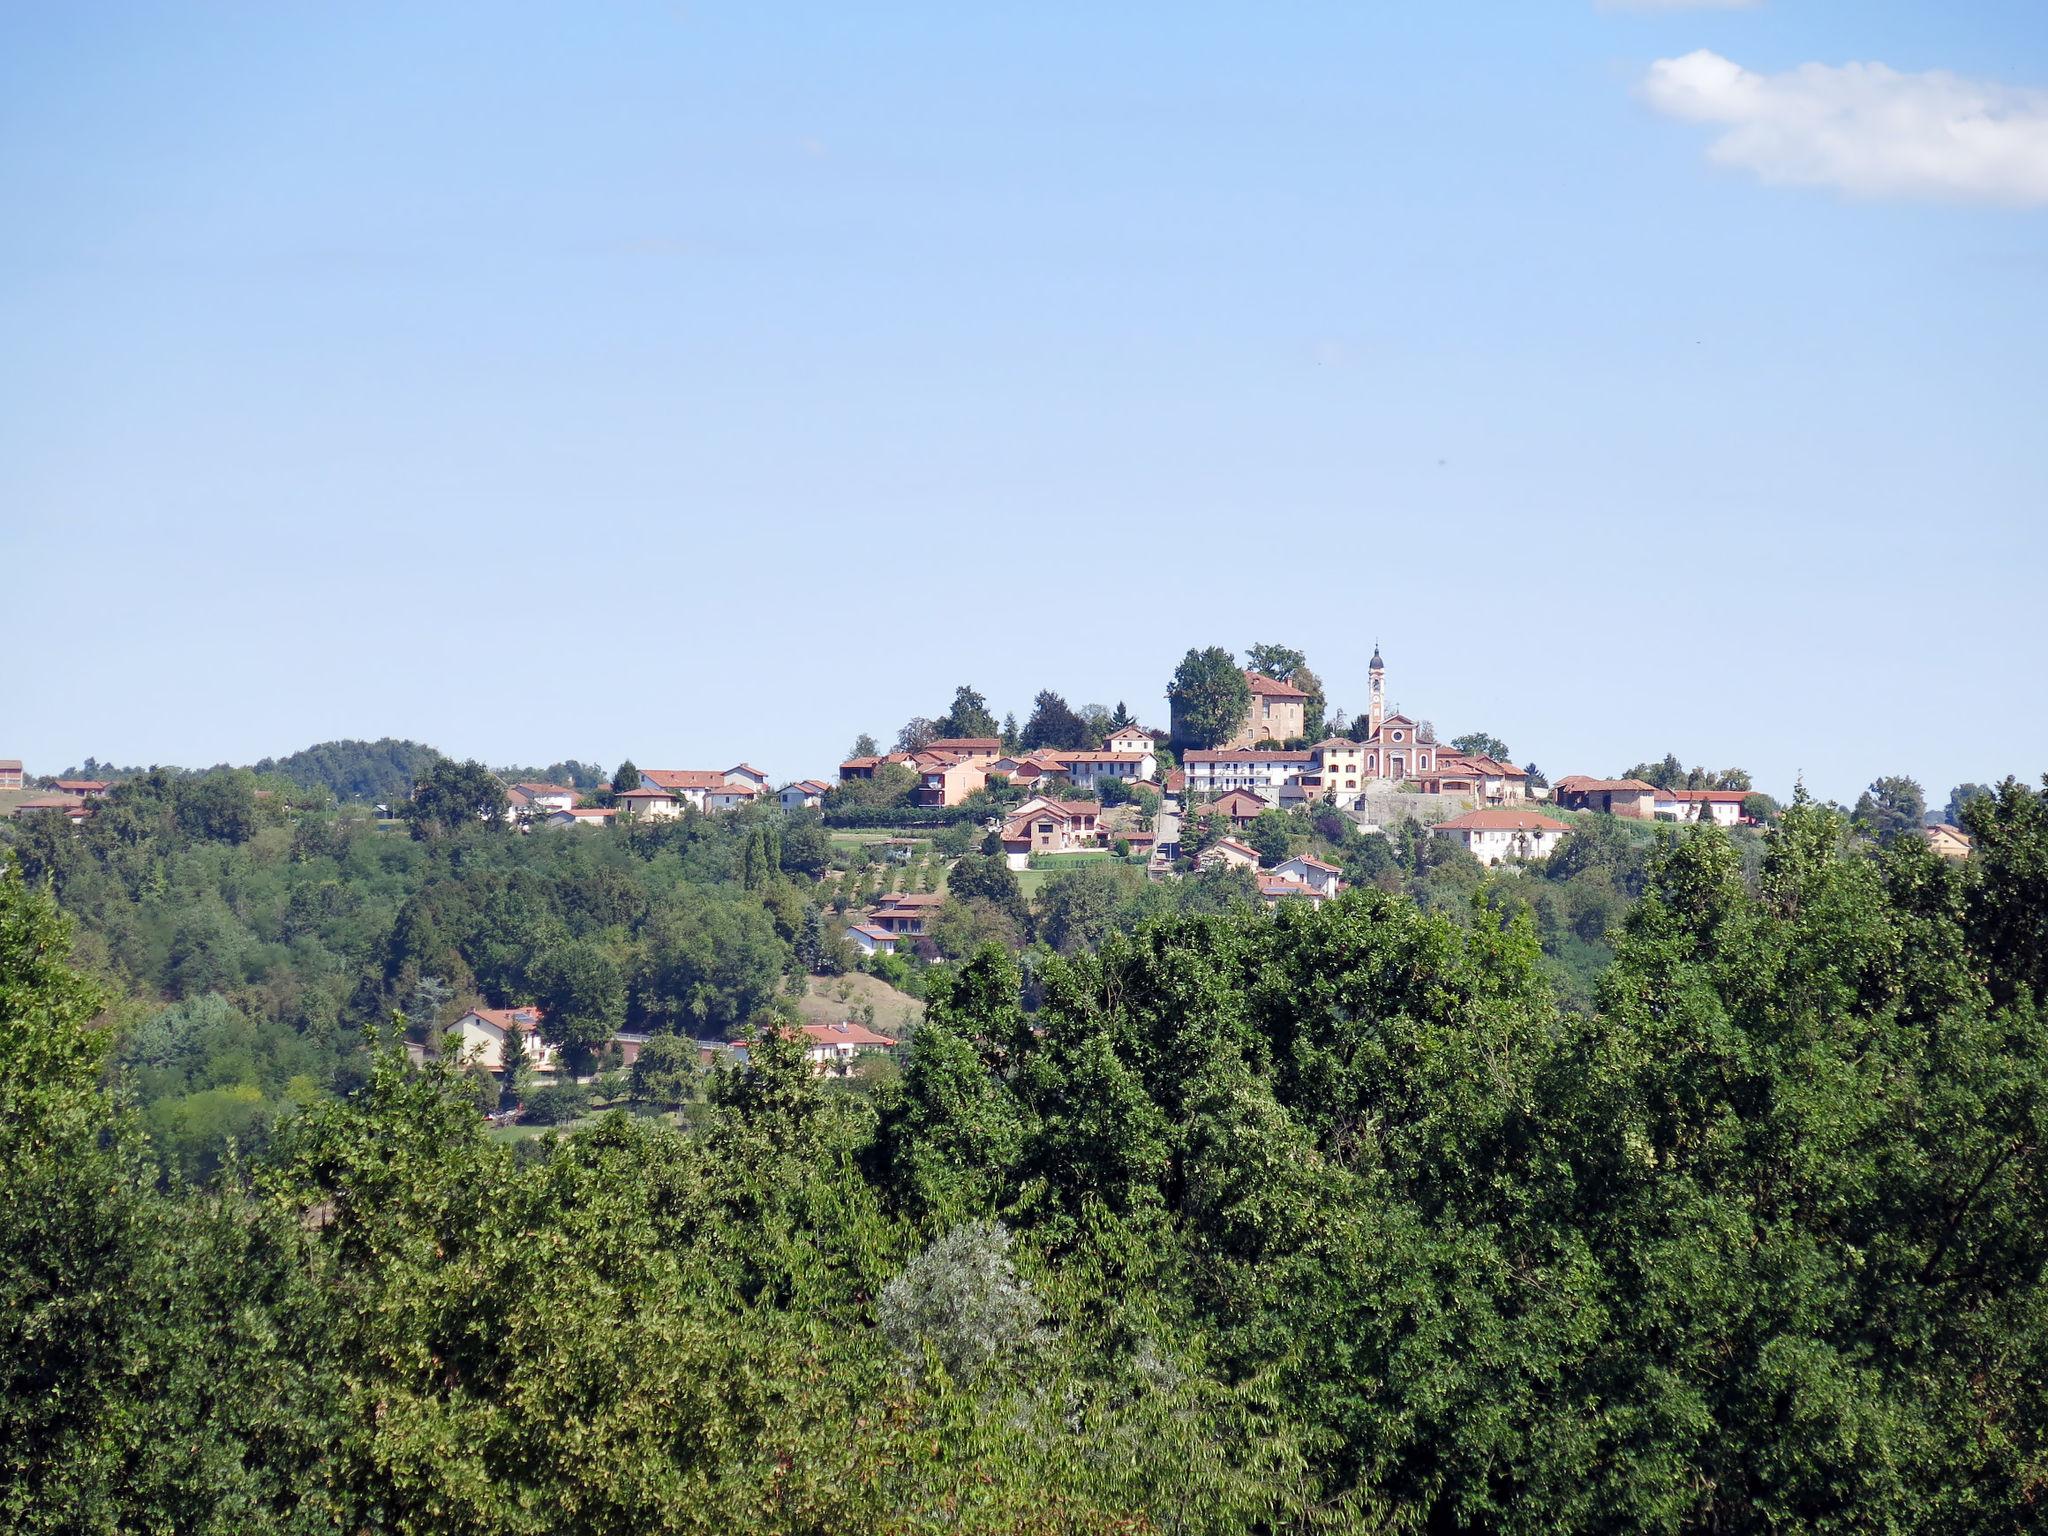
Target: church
[{"x": 1391, "y": 746}]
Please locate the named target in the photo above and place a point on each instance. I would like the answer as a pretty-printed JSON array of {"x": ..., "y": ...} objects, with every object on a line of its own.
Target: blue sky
[{"x": 701, "y": 381}]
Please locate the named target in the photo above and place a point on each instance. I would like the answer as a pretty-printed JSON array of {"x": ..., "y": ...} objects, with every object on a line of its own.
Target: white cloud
[{"x": 1865, "y": 129}]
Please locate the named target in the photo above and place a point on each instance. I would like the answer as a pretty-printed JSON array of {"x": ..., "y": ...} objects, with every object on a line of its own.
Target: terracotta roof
[
  {"x": 747, "y": 768},
  {"x": 1708, "y": 796},
  {"x": 1501, "y": 821},
  {"x": 587, "y": 812},
  {"x": 1238, "y": 802},
  {"x": 871, "y": 931},
  {"x": 1264, "y": 685},
  {"x": 525, "y": 1020},
  {"x": 1282, "y": 885},
  {"x": 808, "y": 786},
  {"x": 744, "y": 791},
  {"x": 682, "y": 778},
  {"x": 645, "y": 793},
  {"x": 966, "y": 744},
  {"x": 1230, "y": 842},
  {"x": 1579, "y": 782},
  {"x": 846, "y": 1032},
  {"x": 1101, "y": 757},
  {"x": 533, "y": 788},
  {"x": 912, "y": 899},
  {"x": 1310, "y": 861},
  {"x": 81, "y": 786},
  {"x": 10, "y": 765}
]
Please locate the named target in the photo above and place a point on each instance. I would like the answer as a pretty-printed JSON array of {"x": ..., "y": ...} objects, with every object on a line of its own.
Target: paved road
[{"x": 1165, "y": 826}]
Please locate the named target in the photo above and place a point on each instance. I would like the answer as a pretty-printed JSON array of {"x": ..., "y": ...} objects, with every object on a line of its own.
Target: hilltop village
[{"x": 966, "y": 830}]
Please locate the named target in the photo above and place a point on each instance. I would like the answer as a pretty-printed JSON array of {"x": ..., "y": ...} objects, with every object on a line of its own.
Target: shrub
[{"x": 557, "y": 1104}]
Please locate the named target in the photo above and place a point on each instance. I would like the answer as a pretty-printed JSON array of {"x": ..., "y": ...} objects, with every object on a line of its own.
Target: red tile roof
[
  {"x": 682, "y": 778},
  {"x": 1579, "y": 783},
  {"x": 1264, "y": 685},
  {"x": 1501, "y": 821},
  {"x": 532, "y": 788},
  {"x": 525, "y": 1020},
  {"x": 846, "y": 1032},
  {"x": 965, "y": 744}
]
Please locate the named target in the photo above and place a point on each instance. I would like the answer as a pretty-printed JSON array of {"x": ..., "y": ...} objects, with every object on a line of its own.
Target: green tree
[
  {"x": 627, "y": 777},
  {"x": 969, "y": 716},
  {"x": 989, "y": 878},
  {"x": 665, "y": 1070},
  {"x": 1482, "y": 744},
  {"x": 1053, "y": 724},
  {"x": 864, "y": 745},
  {"x": 1961, "y": 796},
  {"x": 1210, "y": 698},
  {"x": 1279, "y": 662},
  {"x": 1272, "y": 834},
  {"x": 1892, "y": 807},
  {"x": 582, "y": 995},
  {"x": 917, "y": 734},
  {"x": 454, "y": 797}
]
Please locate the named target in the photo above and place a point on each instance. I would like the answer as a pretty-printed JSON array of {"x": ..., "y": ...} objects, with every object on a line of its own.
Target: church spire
[{"x": 1378, "y": 672}]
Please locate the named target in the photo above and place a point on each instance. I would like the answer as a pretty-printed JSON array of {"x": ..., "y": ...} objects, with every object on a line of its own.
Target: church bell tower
[{"x": 1379, "y": 690}]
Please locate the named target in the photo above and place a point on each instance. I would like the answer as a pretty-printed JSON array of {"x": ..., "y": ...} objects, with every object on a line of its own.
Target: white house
[
  {"x": 730, "y": 797},
  {"x": 803, "y": 794},
  {"x": 1723, "y": 807},
  {"x": 482, "y": 1033},
  {"x": 538, "y": 799},
  {"x": 1275, "y": 888},
  {"x": 832, "y": 1049},
  {"x": 650, "y": 803},
  {"x": 1085, "y": 768},
  {"x": 1262, "y": 771},
  {"x": 1229, "y": 853},
  {"x": 867, "y": 938},
  {"x": 1311, "y": 871},
  {"x": 746, "y": 773},
  {"x": 686, "y": 785},
  {"x": 1493, "y": 835},
  {"x": 1131, "y": 738}
]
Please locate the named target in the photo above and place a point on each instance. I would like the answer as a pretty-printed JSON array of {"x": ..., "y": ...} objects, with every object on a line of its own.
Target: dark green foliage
[
  {"x": 1054, "y": 724},
  {"x": 627, "y": 777},
  {"x": 1892, "y": 807},
  {"x": 556, "y": 1104},
  {"x": 969, "y": 716},
  {"x": 989, "y": 877},
  {"x": 1673, "y": 774},
  {"x": 665, "y": 1070},
  {"x": 373, "y": 772},
  {"x": 1209, "y": 698},
  {"x": 1961, "y": 796},
  {"x": 1343, "y": 1218},
  {"x": 1482, "y": 744},
  {"x": 454, "y": 797}
]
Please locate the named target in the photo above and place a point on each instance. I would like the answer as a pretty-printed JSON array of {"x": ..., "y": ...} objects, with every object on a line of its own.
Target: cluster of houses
[
  {"x": 73, "y": 797},
  {"x": 952, "y": 768},
  {"x": 480, "y": 1037}
]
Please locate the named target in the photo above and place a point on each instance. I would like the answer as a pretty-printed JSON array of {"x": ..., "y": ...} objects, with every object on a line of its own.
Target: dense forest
[{"x": 1333, "y": 1219}]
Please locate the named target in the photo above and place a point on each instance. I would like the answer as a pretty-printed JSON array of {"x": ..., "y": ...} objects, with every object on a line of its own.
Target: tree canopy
[{"x": 1209, "y": 697}]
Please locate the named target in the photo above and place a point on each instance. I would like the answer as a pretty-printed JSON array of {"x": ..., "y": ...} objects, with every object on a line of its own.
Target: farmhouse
[{"x": 1494, "y": 835}]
